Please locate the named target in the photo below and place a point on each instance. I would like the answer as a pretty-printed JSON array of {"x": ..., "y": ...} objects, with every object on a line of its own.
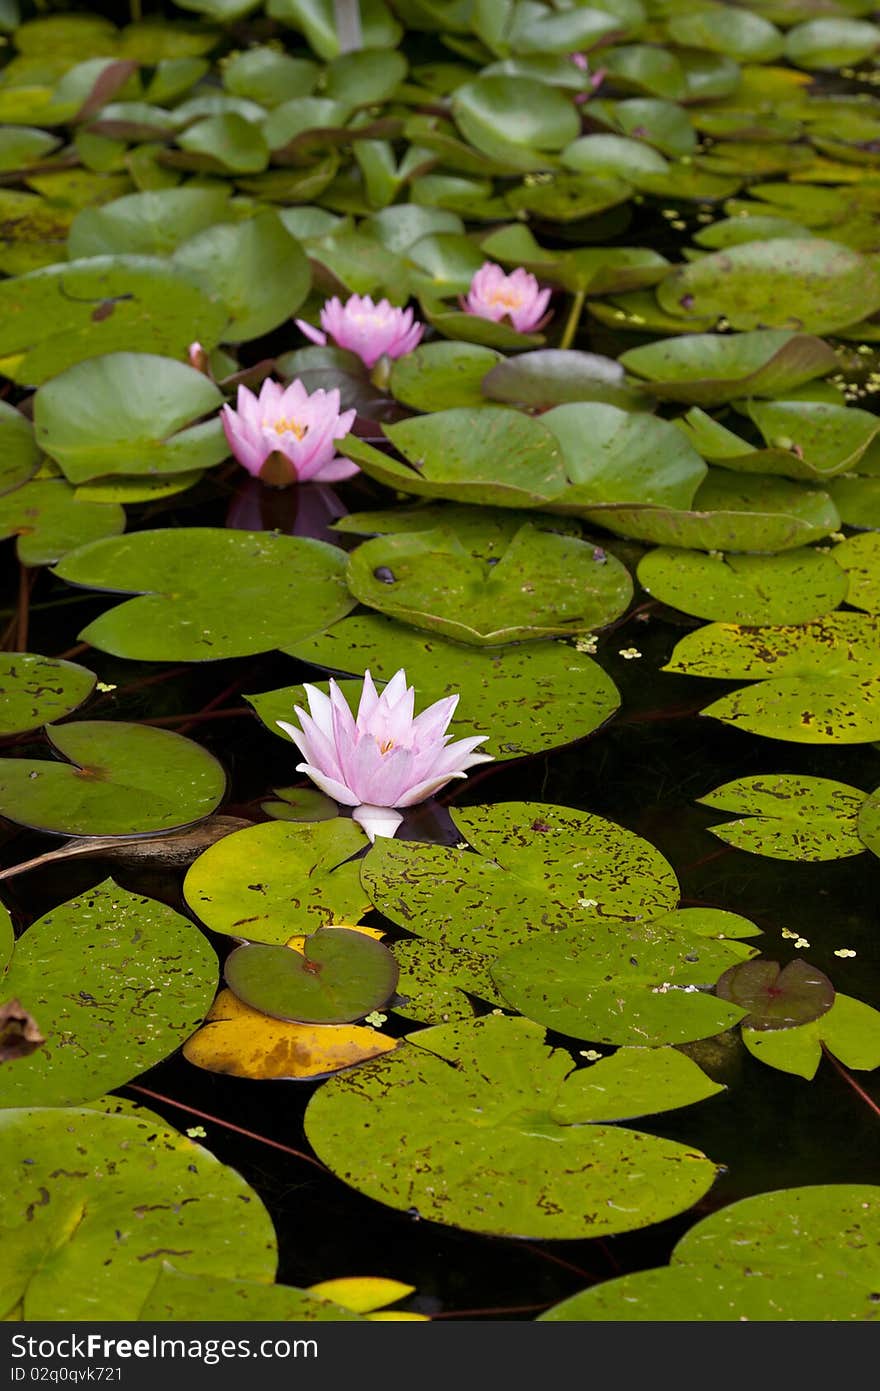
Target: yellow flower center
[
  {"x": 509, "y": 298},
  {"x": 283, "y": 426},
  {"x": 386, "y": 746}
]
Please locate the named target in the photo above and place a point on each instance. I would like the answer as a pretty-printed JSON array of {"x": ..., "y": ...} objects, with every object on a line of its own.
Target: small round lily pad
[{"x": 339, "y": 976}]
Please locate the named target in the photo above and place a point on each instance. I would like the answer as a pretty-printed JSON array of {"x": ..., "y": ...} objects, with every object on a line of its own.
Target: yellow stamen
[
  {"x": 284, "y": 426},
  {"x": 510, "y": 298},
  {"x": 386, "y": 746}
]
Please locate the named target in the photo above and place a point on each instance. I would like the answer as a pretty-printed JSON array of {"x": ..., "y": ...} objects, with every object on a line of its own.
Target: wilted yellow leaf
[
  {"x": 361, "y": 1293},
  {"x": 298, "y": 942},
  {"x": 242, "y": 1042}
]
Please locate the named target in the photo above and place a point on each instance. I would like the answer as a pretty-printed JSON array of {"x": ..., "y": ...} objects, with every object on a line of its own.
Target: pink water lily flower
[
  {"x": 517, "y": 297},
  {"x": 285, "y": 436},
  {"x": 365, "y": 328},
  {"x": 383, "y": 758}
]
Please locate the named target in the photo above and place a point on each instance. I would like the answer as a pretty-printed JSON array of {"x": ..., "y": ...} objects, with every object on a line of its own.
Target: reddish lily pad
[{"x": 777, "y": 997}]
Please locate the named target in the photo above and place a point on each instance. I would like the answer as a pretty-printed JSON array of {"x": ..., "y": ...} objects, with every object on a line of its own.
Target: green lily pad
[
  {"x": 869, "y": 822},
  {"x": 129, "y": 413},
  {"x": 33, "y": 229},
  {"x": 266, "y": 75},
  {"x": 19, "y": 453},
  {"x": 613, "y": 456},
  {"x": 797, "y": 1254},
  {"x": 49, "y": 520},
  {"x": 179, "y": 1298},
  {"x": 555, "y": 376},
  {"x": 638, "y": 312},
  {"x": 824, "y": 439},
  {"x": 729, "y": 512},
  {"x": 541, "y": 585},
  {"x": 53, "y": 318},
  {"x": 662, "y": 124},
  {"x": 831, "y": 43},
  {"x": 298, "y": 803},
  {"x": 805, "y": 284},
  {"x": 256, "y": 268},
  {"x": 821, "y": 681},
  {"x": 442, "y": 376},
  {"x": 36, "y": 690},
  {"x": 122, "y": 779},
  {"x": 227, "y": 142},
  {"x": 593, "y": 270},
  {"x": 850, "y": 1030},
  {"x": 790, "y": 817},
  {"x": 527, "y": 697},
  {"x": 24, "y": 145},
  {"x": 515, "y": 119},
  {"x": 568, "y": 197},
  {"x": 279, "y": 878},
  {"x": 152, "y": 223},
  {"x": 709, "y": 370},
  {"x": 857, "y": 500},
  {"x": 746, "y": 37},
  {"x": 859, "y": 558},
  {"x": 538, "y": 869},
  {"x": 614, "y": 154},
  {"x": 436, "y": 982},
  {"x": 154, "y": 974},
  {"x": 340, "y": 976},
  {"x": 776, "y": 998},
  {"x": 732, "y": 231},
  {"x": 120, "y": 1191},
  {"x": 504, "y": 1096},
  {"x": 462, "y": 326},
  {"x": 206, "y": 593},
  {"x": 132, "y": 490},
  {"x": 794, "y": 587},
  {"x": 634, "y": 983}
]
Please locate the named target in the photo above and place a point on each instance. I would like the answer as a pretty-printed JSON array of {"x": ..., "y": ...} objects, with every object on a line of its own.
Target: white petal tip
[
  {"x": 377, "y": 821},
  {"x": 290, "y": 729}
]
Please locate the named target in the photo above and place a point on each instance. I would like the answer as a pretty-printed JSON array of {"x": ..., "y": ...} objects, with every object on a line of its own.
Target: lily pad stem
[{"x": 573, "y": 320}]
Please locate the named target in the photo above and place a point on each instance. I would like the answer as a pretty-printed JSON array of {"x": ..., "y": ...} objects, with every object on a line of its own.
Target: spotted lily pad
[
  {"x": 437, "y": 983},
  {"x": 815, "y": 684},
  {"x": 122, "y": 1195},
  {"x": 621, "y": 983},
  {"x": 280, "y": 877},
  {"x": 122, "y": 779},
  {"x": 176, "y": 1298},
  {"x": 797, "y": 1254},
  {"x": 49, "y": 520},
  {"x": 339, "y": 976},
  {"x": 36, "y": 690},
  {"x": 503, "y": 1097},
  {"x": 805, "y": 284},
  {"x": 710, "y": 369},
  {"x": 153, "y": 973},
  {"x": 57, "y": 316},
  {"x": 208, "y": 593},
  {"x": 538, "y": 869},
  {"x": 794, "y": 587},
  {"x": 129, "y": 413},
  {"x": 790, "y": 817},
  {"x": 859, "y": 558},
  {"x": 527, "y": 696},
  {"x": 542, "y": 584},
  {"x": 241, "y": 1042},
  {"x": 776, "y": 997}
]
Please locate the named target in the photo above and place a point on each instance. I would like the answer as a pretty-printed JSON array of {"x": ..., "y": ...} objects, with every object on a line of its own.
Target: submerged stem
[{"x": 851, "y": 1081}]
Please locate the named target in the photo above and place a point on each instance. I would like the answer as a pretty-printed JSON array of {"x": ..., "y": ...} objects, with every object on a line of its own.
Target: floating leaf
[
  {"x": 129, "y": 413},
  {"x": 176, "y": 1298},
  {"x": 529, "y": 697},
  {"x": 36, "y": 690},
  {"x": 440, "y": 376},
  {"x": 280, "y": 877},
  {"x": 542, "y": 584},
  {"x": 514, "y": 118},
  {"x": 737, "y": 33},
  {"x": 144, "y": 975},
  {"x": 804, "y": 284},
  {"x": 436, "y": 981},
  {"x": 553, "y": 376},
  {"x": 594, "y": 270},
  {"x": 122, "y": 1195},
  {"x": 790, "y": 817},
  {"x": 53, "y": 318},
  {"x": 859, "y": 558},
  {"x": 340, "y": 976},
  {"x": 729, "y": 512},
  {"x": 850, "y": 1030},
  {"x": 503, "y": 1097},
  {"x": 825, "y": 439},
  {"x": 662, "y": 124},
  {"x": 822, "y": 679},
  {"x": 710, "y": 369},
  {"x": 794, "y": 587},
  {"x": 297, "y": 803},
  {"x": 538, "y": 869},
  {"x": 776, "y": 997},
  {"x": 796, "y": 1254},
  {"x": 151, "y": 223},
  {"x": 619, "y": 983},
  {"x": 49, "y": 520},
  {"x": 19, "y": 454},
  {"x": 122, "y": 779},
  {"x": 256, "y": 268},
  {"x": 226, "y": 142},
  {"x": 831, "y": 43},
  {"x": 207, "y": 593},
  {"x": 242, "y": 1042}
]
